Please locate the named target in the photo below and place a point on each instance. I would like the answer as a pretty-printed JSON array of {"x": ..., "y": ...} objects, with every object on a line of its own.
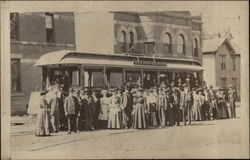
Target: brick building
[
  {"x": 221, "y": 62},
  {"x": 144, "y": 48},
  {"x": 32, "y": 35}
]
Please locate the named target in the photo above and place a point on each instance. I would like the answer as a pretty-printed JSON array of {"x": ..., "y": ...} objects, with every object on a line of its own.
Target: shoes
[
  {"x": 69, "y": 132},
  {"x": 77, "y": 132}
]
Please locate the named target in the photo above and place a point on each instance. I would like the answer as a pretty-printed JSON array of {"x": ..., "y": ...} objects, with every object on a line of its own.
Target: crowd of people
[{"x": 127, "y": 108}]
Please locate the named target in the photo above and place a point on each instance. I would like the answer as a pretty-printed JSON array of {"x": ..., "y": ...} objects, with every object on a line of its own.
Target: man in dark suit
[
  {"x": 186, "y": 102},
  {"x": 71, "y": 109}
]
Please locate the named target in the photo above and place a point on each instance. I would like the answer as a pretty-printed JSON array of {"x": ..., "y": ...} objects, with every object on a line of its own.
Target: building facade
[
  {"x": 32, "y": 35},
  {"x": 221, "y": 62}
]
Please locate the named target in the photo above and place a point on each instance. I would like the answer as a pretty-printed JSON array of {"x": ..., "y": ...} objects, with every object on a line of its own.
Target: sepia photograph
[{"x": 124, "y": 80}]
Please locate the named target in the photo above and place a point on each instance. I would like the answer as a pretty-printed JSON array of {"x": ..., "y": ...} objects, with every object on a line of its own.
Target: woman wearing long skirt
[
  {"x": 114, "y": 109},
  {"x": 222, "y": 108},
  {"x": 43, "y": 117},
  {"x": 152, "y": 104},
  {"x": 139, "y": 112},
  {"x": 170, "y": 108},
  {"x": 103, "y": 116},
  {"x": 197, "y": 105}
]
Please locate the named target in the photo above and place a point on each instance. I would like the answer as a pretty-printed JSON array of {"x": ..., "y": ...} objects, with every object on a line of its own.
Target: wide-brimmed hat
[
  {"x": 113, "y": 89},
  {"x": 86, "y": 89},
  {"x": 104, "y": 90},
  {"x": 230, "y": 86},
  {"x": 151, "y": 90},
  {"x": 140, "y": 89},
  {"x": 133, "y": 90},
  {"x": 44, "y": 92}
]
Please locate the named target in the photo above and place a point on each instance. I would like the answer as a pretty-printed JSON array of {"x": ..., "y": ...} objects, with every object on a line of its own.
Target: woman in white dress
[
  {"x": 114, "y": 109},
  {"x": 103, "y": 116}
]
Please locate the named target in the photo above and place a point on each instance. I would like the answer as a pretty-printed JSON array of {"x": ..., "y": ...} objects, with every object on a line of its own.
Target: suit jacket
[{"x": 71, "y": 105}]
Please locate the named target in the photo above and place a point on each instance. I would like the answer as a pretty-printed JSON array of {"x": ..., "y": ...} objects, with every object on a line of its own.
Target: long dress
[
  {"x": 103, "y": 115},
  {"x": 170, "y": 110},
  {"x": 114, "y": 116},
  {"x": 43, "y": 119},
  {"x": 139, "y": 116},
  {"x": 222, "y": 108},
  {"x": 152, "y": 104},
  {"x": 88, "y": 105},
  {"x": 197, "y": 107}
]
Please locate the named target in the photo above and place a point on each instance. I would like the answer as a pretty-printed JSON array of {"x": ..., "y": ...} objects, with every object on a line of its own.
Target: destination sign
[{"x": 152, "y": 63}]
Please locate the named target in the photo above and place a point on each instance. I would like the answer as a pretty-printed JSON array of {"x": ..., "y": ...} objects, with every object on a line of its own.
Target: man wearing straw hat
[{"x": 71, "y": 109}]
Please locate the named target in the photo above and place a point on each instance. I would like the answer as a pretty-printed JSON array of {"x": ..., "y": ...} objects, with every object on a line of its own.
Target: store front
[{"x": 78, "y": 70}]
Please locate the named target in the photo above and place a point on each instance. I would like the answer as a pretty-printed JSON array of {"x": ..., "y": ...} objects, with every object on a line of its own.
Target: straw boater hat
[
  {"x": 151, "y": 90},
  {"x": 113, "y": 89},
  {"x": 103, "y": 91},
  {"x": 133, "y": 90}
]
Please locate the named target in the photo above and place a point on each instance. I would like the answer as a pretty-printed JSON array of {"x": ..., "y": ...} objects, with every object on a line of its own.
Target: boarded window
[{"x": 149, "y": 48}]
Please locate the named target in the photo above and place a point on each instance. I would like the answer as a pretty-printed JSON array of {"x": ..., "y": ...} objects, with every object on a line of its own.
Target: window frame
[
  {"x": 183, "y": 45},
  {"x": 195, "y": 48},
  {"x": 223, "y": 62},
  {"x": 50, "y": 31},
  {"x": 19, "y": 84},
  {"x": 16, "y": 26},
  {"x": 169, "y": 44},
  {"x": 234, "y": 63}
]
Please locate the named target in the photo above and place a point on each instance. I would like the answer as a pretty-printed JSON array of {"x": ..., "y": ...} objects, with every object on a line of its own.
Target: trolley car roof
[{"x": 69, "y": 57}]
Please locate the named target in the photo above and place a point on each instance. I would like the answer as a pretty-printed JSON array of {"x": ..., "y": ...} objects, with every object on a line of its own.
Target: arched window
[
  {"x": 180, "y": 44},
  {"x": 123, "y": 37},
  {"x": 195, "y": 47},
  {"x": 131, "y": 41},
  {"x": 167, "y": 43},
  {"x": 123, "y": 41}
]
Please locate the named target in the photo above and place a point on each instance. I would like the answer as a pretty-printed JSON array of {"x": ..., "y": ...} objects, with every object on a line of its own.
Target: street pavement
[{"x": 203, "y": 139}]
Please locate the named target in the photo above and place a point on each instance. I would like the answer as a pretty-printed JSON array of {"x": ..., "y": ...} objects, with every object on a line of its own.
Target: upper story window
[
  {"x": 234, "y": 64},
  {"x": 131, "y": 41},
  {"x": 195, "y": 47},
  {"x": 14, "y": 27},
  {"x": 123, "y": 40},
  {"x": 167, "y": 43},
  {"x": 180, "y": 44},
  {"x": 149, "y": 48},
  {"x": 49, "y": 20},
  {"x": 15, "y": 76},
  {"x": 223, "y": 62}
]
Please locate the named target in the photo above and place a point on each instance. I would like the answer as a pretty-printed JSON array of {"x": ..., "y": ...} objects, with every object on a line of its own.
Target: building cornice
[{"x": 43, "y": 44}]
